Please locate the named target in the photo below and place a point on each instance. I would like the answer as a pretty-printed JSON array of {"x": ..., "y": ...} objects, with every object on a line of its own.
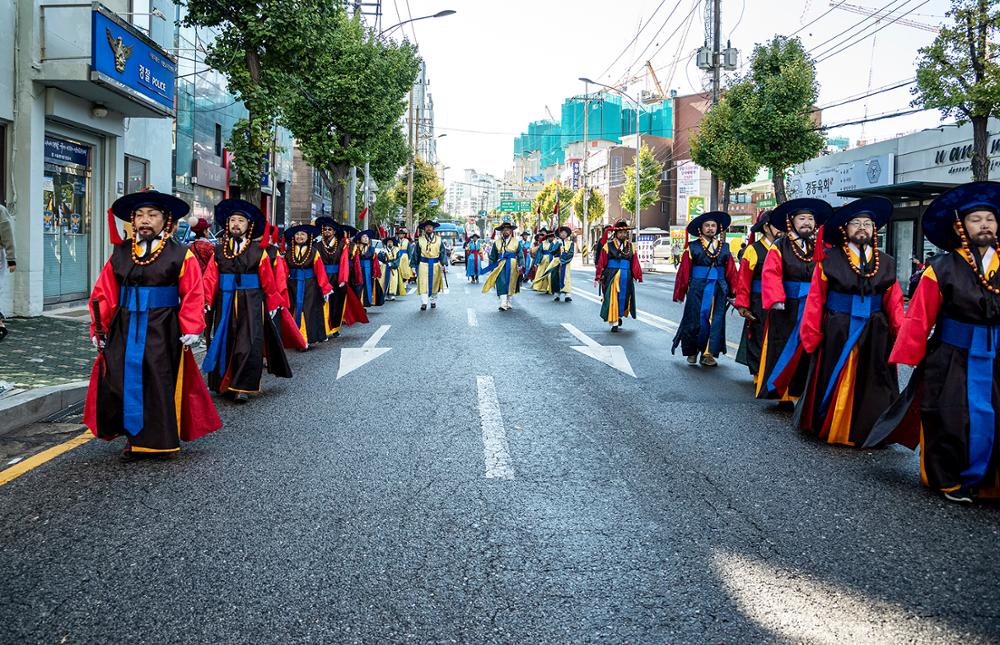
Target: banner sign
[{"x": 66, "y": 153}]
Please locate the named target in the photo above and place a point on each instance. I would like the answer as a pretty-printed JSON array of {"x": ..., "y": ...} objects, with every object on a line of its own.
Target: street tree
[
  {"x": 650, "y": 176},
  {"x": 717, "y": 147},
  {"x": 427, "y": 188},
  {"x": 772, "y": 108},
  {"x": 545, "y": 202},
  {"x": 595, "y": 204},
  {"x": 959, "y": 75}
]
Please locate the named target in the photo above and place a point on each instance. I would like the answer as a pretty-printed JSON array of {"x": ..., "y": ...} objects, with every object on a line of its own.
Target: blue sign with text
[{"x": 125, "y": 58}]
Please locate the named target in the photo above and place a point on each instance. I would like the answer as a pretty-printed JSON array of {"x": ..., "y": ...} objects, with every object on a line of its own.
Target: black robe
[
  {"x": 752, "y": 339},
  {"x": 619, "y": 260},
  {"x": 301, "y": 276},
  {"x": 336, "y": 264}
]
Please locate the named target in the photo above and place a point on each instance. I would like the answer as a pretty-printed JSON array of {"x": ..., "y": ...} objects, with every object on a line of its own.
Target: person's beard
[
  {"x": 147, "y": 235},
  {"x": 805, "y": 236},
  {"x": 237, "y": 236},
  {"x": 861, "y": 240},
  {"x": 985, "y": 239}
]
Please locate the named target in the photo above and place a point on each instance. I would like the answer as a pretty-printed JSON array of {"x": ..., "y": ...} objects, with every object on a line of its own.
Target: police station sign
[{"x": 825, "y": 183}]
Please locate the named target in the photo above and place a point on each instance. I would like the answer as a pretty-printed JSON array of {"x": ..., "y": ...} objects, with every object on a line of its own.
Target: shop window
[
  {"x": 136, "y": 174},
  {"x": 139, "y": 13},
  {"x": 218, "y": 139}
]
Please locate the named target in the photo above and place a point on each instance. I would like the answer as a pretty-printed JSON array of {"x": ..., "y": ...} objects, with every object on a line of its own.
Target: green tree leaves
[
  {"x": 650, "y": 175},
  {"x": 546, "y": 201},
  {"x": 716, "y": 146},
  {"x": 595, "y": 204}
]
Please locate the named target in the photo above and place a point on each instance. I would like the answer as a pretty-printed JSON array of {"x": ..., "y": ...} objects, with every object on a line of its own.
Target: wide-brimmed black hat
[
  {"x": 762, "y": 220},
  {"x": 719, "y": 217},
  {"x": 346, "y": 230},
  {"x": 820, "y": 210},
  {"x": 370, "y": 232},
  {"x": 386, "y": 240},
  {"x": 939, "y": 219},
  {"x": 326, "y": 220},
  {"x": 170, "y": 205},
  {"x": 229, "y": 207},
  {"x": 474, "y": 235},
  {"x": 877, "y": 209},
  {"x": 523, "y": 233},
  {"x": 506, "y": 225},
  {"x": 304, "y": 228},
  {"x": 428, "y": 222},
  {"x": 568, "y": 230}
]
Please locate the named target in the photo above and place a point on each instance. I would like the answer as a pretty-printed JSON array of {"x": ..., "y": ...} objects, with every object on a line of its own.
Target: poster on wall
[{"x": 695, "y": 206}]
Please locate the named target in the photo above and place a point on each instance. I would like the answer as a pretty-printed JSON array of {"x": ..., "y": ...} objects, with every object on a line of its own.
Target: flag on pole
[{"x": 361, "y": 217}]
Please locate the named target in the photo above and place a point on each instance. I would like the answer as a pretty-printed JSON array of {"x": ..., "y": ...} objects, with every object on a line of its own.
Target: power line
[
  {"x": 635, "y": 38},
  {"x": 878, "y": 117},
  {"x": 830, "y": 55},
  {"x": 854, "y": 26},
  {"x": 658, "y": 31},
  {"x": 814, "y": 20},
  {"x": 858, "y": 97}
]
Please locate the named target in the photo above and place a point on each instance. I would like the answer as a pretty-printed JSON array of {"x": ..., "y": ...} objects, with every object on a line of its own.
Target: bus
[{"x": 452, "y": 236}]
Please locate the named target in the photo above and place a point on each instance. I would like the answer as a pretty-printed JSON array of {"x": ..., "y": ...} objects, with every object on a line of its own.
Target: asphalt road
[{"x": 483, "y": 481}]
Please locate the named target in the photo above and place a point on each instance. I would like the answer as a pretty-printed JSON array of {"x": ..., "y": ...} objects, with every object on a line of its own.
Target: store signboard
[
  {"x": 129, "y": 62},
  {"x": 207, "y": 174},
  {"x": 825, "y": 183},
  {"x": 695, "y": 206},
  {"x": 688, "y": 179},
  {"x": 66, "y": 153}
]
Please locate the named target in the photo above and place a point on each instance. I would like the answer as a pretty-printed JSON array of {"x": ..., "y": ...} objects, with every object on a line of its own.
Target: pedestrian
[
  {"x": 676, "y": 253},
  {"x": 502, "y": 272},
  {"x": 785, "y": 283},
  {"x": 405, "y": 246},
  {"x": 201, "y": 246},
  {"x": 749, "y": 302},
  {"x": 308, "y": 286},
  {"x": 393, "y": 281},
  {"x": 242, "y": 294},
  {"x": 473, "y": 258},
  {"x": 524, "y": 249},
  {"x": 430, "y": 258},
  {"x": 852, "y": 316},
  {"x": 618, "y": 268},
  {"x": 343, "y": 306},
  {"x": 557, "y": 277},
  {"x": 542, "y": 259},
  {"x": 706, "y": 278},
  {"x": 949, "y": 406},
  {"x": 146, "y": 314},
  {"x": 7, "y": 246},
  {"x": 369, "y": 287}
]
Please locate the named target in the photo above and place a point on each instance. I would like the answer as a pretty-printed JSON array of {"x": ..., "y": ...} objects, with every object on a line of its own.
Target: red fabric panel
[
  {"x": 892, "y": 305},
  {"x": 683, "y": 279},
  {"x": 772, "y": 279},
  {"x": 191, "y": 288},
  {"x": 267, "y": 283},
  {"x": 321, "y": 278},
  {"x": 211, "y": 278},
  {"x": 105, "y": 292},
  {"x": 198, "y": 415},
  {"x": 811, "y": 328},
  {"x": 744, "y": 283},
  {"x": 291, "y": 335},
  {"x": 354, "y": 311},
  {"x": 911, "y": 343}
]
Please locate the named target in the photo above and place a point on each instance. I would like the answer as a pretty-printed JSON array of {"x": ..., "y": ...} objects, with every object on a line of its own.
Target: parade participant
[
  {"x": 950, "y": 405},
  {"x": 618, "y": 268},
  {"x": 405, "y": 246},
  {"x": 524, "y": 249},
  {"x": 146, "y": 313},
  {"x": 749, "y": 302},
  {"x": 706, "y": 278},
  {"x": 201, "y": 246},
  {"x": 369, "y": 287},
  {"x": 558, "y": 272},
  {"x": 503, "y": 273},
  {"x": 243, "y": 297},
  {"x": 785, "y": 282},
  {"x": 534, "y": 256},
  {"x": 308, "y": 286},
  {"x": 291, "y": 335},
  {"x": 542, "y": 258},
  {"x": 391, "y": 256},
  {"x": 852, "y": 315},
  {"x": 430, "y": 259},
  {"x": 473, "y": 258},
  {"x": 343, "y": 306}
]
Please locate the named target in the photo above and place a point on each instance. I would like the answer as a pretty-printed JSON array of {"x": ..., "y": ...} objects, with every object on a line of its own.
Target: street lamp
[
  {"x": 439, "y": 14},
  {"x": 638, "y": 148}
]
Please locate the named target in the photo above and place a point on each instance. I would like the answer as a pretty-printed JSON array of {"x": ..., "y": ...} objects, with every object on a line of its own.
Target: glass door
[{"x": 66, "y": 194}]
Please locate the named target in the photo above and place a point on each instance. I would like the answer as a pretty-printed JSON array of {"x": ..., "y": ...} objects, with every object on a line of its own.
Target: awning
[{"x": 910, "y": 191}]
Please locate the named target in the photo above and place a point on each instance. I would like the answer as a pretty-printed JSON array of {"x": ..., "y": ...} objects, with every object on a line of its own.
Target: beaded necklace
[
  {"x": 969, "y": 258},
  {"x": 228, "y": 244},
  {"x": 305, "y": 257},
  {"x": 806, "y": 257},
  {"x": 850, "y": 262},
  {"x": 145, "y": 261},
  {"x": 708, "y": 249}
]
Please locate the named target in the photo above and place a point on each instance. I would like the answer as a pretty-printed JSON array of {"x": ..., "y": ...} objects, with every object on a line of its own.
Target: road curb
[{"x": 21, "y": 409}]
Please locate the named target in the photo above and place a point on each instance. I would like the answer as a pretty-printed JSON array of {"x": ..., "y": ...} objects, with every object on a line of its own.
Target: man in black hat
[
  {"x": 502, "y": 271},
  {"x": 950, "y": 405},
  {"x": 343, "y": 306},
  {"x": 558, "y": 271},
  {"x": 369, "y": 287},
  {"x": 431, "y": 261},
  {"x": 308, "y": 286},
  {"x": 147, "y": 312},
  {"x": 391, "y": 256},
  {"x": 707, "y": 277},
  {"x": 473, "y": 258},
  {"x": 524, "y": 248},
  {"x": 749, "y": 302},
  {"x": 543, "y": 256},
  {"x": 243, "y": 297},
  {"x": 618, "y": 269},
  {"x": 852, "y": 315},
  {"x": 785, "y": 281}
]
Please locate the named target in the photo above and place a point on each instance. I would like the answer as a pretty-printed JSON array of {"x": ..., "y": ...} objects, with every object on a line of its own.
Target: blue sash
[
  {"x": 981, "y": 343},
  {"x": 366, "y": 273},
  {"x": 430, "y": 273},
  {"x": 332, "y": 269},
  {"x": 300, "y": 276},
  {"x": 861, "y": 309},
  {"x": 624, "y": 268},
  {"x": 756, "y": 287},
  {"x": 138, "y": 301},
  {"x": 711, "y": 275},
  {"x": 793, "y": 291},
  {"x": 229, "y": 283}
]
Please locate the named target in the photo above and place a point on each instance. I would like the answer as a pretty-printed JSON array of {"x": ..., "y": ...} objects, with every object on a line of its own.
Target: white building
[
  {"x": 86, "y": 107},
  {"x": 423, "y": 108},
  {"x": 473, "y": 193}
]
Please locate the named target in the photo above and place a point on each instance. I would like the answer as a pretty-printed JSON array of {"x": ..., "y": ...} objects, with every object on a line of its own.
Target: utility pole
[
  {"x": 713, "y": 60},
  {"x": 409, "y": 172},
  {"x": 587, "y": 100}
]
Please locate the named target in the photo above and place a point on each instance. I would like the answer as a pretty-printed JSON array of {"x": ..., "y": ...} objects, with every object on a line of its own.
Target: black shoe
[
  {"x": 960, "y": 496},
  {"x": 423, "y": 307},
  {"x": 434, "y": 305},
  {"x": 128, "y": 456},
  {"x": 335, "y": 334},
  {"x": 614, "y": 329},
  {"x": 556, "y": 299},
  {"x": 241, "y": 398},
  {"x": 568, "y": 299}
]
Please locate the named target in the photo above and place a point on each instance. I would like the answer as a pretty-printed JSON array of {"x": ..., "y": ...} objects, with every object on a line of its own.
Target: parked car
[{"x": 662, "y": 249}]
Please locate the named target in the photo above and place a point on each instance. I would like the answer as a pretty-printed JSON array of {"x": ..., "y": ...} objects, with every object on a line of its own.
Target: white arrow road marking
[
  {"x": 611, "y": 355},
  {"x": 496, "y": 453},
  {"x": 472, "y": 317},
  {"x": 410, "y": 291},
  {"x": 351, "y": 358}
]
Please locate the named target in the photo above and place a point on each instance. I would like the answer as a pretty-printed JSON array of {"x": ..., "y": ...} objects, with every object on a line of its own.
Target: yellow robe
[
  {"x": 405, "y": 270},
  {"x": 541, "y": 280},
  {"x": 429, "y": 250},
  {"x": 511, "y": 246},
  {"x": 392, "y": 282}
]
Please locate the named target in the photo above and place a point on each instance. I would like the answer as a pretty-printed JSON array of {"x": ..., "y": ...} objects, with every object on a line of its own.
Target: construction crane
[
  {"x": 648, "y": 97},
  {"x": 865, "y": 11},
  {"x": 549, "y": 112}
]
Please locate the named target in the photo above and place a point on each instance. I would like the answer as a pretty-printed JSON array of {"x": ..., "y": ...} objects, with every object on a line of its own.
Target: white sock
[{"x": 424, "y": 299}]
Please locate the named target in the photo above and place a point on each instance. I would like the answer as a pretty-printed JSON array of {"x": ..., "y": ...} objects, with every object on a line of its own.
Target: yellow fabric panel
[
  {"x": 750, "y": 256},
  {"x": 612, "y": 295},
  {"x": 179, "y": 391},
  {"x": 843, "y": 406},
  {"x": 422, "y": 278}
]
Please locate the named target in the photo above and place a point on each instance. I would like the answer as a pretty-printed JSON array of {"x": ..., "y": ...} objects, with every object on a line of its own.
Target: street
[{"x": 497, "y": 477}]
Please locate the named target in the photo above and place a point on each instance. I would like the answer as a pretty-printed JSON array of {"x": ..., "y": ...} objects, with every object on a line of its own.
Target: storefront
[{"x": 67, "y": 198}]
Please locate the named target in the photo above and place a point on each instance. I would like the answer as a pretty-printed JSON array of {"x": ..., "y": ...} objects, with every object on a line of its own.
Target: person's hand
[
  {"x": 98, "y": 343},
  {"x": 189, "y": 340},
  {"x": 778, "y": 306},
  {"x": 342, "y": 284},
  {"x": 12, "y": 267},
  {"x": 326, "y": 297},
  {"x": 746, "y": 313}
]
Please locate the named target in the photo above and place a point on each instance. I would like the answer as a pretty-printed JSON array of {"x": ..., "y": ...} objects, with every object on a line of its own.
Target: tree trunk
[
  {"x": 778, "y": 179},
  {"x": 980, "y": 161},
  {"x": 338, "y": 189},
  {"x": 725, "y": 196}
]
